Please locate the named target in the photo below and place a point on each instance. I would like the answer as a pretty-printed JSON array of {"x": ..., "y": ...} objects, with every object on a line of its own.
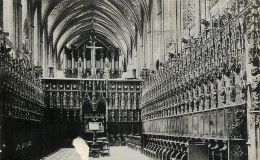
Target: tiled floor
[{"x": 116, "y": 153}]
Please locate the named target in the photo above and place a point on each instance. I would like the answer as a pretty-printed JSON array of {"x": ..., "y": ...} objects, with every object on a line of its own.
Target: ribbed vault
[{"x": 115, "y": 22}]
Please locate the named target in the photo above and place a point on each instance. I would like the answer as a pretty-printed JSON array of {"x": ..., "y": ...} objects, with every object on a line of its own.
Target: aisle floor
[{"x": 116, "y": 153}]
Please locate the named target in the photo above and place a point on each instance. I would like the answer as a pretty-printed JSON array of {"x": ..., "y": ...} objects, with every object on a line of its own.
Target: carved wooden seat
[
  {"x": 123, "y": 140},
  {"x": 111, "y": 140},
  {"x": 117, "y": 140},
  {"x": 95, "y": 150},
  {"x": 105, "y": 150}
]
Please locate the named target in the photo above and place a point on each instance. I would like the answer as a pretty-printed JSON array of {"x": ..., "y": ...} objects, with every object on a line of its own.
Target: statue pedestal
[{"x": 107, "y": 73}]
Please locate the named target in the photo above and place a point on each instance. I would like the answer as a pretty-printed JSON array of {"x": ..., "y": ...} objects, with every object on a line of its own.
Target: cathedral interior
[{"x": 161, "y": 79}]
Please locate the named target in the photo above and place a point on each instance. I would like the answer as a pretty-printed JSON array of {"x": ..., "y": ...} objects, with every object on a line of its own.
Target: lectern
[
  {"x": 95, "y": 147},
  {"x": 94, "y": 127}
]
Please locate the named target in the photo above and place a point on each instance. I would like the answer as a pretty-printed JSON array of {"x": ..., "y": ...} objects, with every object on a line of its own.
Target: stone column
[
  {"x": 122, "y": 101},
  {"x": 116, "y": 100},
  {"x": 24, "y": 11},
  {"x": 58, "y": 99},
  {"x": 19, "y": 31},
  {"x": 197, "y": 18},
  {"x": 45, "y": 57},
  {"x": 71, "y": 99},
  {"x": 110, "y": 101},
  {"x": 84, "y": 61},
  {"x": 8, "y": 19},
  {"x": 64, "y": 99},
  {"x": 129, "y": 101},
  {"x": 65, "y": 60},
  {"x": 134, "y": 103},
  {"x": 72, "y": 60},
  {"x": 101, "y": 60}
]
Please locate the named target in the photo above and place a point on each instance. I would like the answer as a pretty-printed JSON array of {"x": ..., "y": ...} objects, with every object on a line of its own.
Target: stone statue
[
  {"x": 107, "y": 63},
  {"x": 93, "y": 73},
  {"x": 80, "y": 68},
  {"x": 107, "y": 73},
  {"x": 107, "y": 69}
]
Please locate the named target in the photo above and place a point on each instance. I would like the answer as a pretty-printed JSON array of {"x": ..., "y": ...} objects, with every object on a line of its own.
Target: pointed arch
[
  {"x": 101, "y": 106},
  {"x": 87, "y": 106}
]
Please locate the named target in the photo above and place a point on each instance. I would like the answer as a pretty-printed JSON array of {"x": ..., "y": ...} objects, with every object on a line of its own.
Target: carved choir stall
[
  {"x": 21, "y": 107},
  {"x": 199, "y": 102},
  {"x": 80, "y": 103}
]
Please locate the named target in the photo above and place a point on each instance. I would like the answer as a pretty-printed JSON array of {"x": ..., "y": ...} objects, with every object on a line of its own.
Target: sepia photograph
[{"x": 129, "y": 79}]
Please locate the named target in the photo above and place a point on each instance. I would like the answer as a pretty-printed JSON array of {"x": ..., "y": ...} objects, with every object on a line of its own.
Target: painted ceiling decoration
[{"x": 70, "y": 22}]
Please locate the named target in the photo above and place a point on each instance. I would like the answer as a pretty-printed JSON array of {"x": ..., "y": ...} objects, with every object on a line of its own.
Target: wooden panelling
[
  {"x": 221, "y": 124},
  {"x": 195, "y": 124},
  {"x": 215, "y": 123}
]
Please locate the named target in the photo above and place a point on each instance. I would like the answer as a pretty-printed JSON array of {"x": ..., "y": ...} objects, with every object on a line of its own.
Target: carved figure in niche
[
  {"x": 232, "y": 88},
  {"x": 223, "y": 91},
  {"x": 255, "y": 92},
  {"x": 79, "y": 68},
  {"x": 98, "y": 75},
  {"x": 242, "y": 87},
  {"x": 186, "y": 108},
  {"x": 208, "y": 96},
  {"x": 196, "y": 105},
  {"x": 208, "y": 100},
  {"x": 215, "y": 95},
  {"x": 201, "y": 99},
  {"x": 202, "y": 102},
  {"x": 107, "y": 63},
  {"x": 223, "y": 95},
  {"x": 23, "y": 51}
]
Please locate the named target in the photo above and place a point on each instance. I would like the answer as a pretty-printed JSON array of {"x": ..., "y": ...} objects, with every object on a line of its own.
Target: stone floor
[
  {"x": 116, "y": 153},
  {"x": 64, "y": 154}
]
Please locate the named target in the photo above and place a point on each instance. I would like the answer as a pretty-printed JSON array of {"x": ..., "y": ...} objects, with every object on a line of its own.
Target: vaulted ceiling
[{"x": 114, "y": 21}]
